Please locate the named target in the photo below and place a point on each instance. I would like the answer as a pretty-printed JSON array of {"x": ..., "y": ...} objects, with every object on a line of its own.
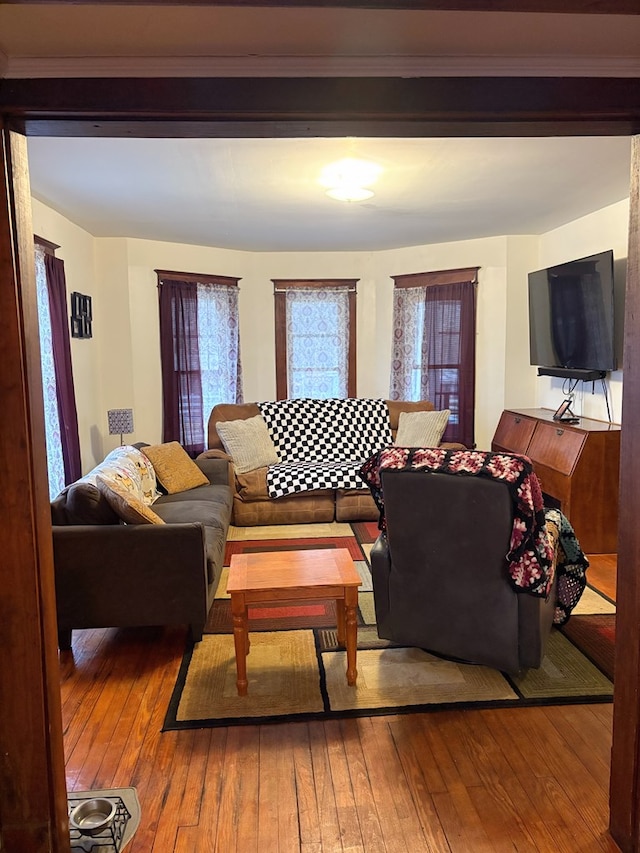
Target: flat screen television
[{"x": 571, "y": 316}]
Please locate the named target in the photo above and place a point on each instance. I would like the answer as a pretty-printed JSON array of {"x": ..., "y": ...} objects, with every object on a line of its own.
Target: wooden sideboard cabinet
[{"x": 578, "y": 468}]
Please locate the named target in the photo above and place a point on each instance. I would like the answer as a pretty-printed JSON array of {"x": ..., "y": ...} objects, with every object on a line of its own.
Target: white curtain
[
  {"x": 219, "y": 346},
  {"x": 55, "y": 463},
  {"x": 409, "y": 377},
  {"x": 317, "y": 342}
]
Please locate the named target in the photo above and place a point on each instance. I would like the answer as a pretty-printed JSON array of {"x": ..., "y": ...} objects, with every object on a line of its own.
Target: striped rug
[{"x": 296, "y": 669}]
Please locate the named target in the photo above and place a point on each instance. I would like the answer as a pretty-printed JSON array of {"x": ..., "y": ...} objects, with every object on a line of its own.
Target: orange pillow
[{"x": 174, "y": 468}]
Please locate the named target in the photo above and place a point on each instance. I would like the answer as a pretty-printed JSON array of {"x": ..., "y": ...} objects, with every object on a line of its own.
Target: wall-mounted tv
[{"x": 571, "y": 317}]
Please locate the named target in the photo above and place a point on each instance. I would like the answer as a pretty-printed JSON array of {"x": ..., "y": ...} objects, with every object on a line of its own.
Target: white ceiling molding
[{"x": 320, "y": 66}]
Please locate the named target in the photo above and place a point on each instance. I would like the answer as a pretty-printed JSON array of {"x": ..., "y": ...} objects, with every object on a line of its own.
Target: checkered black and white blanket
[{"x": 323, "y": 443}]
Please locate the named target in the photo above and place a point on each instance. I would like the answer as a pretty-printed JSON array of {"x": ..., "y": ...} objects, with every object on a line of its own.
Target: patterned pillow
[
  {"x": 248, "y": 443},
  {"x": 421, "y": 429},
  {"x": 174, "y": 468},
  {"x": 124, "y": 502}
]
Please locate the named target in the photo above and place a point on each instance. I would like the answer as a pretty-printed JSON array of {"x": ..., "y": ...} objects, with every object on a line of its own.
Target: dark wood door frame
[{"x": 328, "y": 107}]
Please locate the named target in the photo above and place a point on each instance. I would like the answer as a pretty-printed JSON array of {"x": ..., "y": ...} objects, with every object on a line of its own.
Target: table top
[{"x": 292, "y": 569}]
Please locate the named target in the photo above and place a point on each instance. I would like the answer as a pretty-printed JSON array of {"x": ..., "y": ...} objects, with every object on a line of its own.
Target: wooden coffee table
[{"x": 286, "y": 576}]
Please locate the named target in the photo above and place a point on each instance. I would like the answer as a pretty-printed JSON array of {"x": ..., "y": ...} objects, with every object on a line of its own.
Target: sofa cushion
[
  {"x": 85, "y": 504},
  {"x": 124, "y": 502},
  {"x": 421, "y": 429},
  {"x": 175, "y": 470},
  {"x": 248, "y": 443},
  {"x": 252, "y": 486},
  {"x": 217, "y": 495}
]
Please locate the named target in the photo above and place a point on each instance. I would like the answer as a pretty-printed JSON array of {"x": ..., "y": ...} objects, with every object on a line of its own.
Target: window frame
[{"x": 280, "y": 288}]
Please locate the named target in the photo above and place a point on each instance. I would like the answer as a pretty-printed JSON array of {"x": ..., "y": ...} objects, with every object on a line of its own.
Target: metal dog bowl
[{"x": 93, "y": 816}]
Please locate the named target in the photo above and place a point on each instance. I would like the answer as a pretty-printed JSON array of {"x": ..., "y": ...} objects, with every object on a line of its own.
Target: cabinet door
[
  {"x": 513, "y": 433},
  {"x": 556, "y": 447}
]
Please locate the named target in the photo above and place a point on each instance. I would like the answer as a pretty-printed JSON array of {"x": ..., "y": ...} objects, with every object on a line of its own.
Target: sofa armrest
[
  {"x": 216, "y": 468},
  {"x": 128, "y": 575},
  {"x": 452, "y": 445}
]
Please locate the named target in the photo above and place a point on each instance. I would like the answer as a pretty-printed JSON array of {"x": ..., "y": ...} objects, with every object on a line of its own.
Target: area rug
[{"x": 296, "y": 670}]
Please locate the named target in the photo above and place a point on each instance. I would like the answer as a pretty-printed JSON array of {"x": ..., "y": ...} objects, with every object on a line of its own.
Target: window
[
  {"x": 199, "y": 350},
  {"x": 433, "y": 349},
  {"x": 315, "y": 338},
  {"x": 60, "y": 415}
]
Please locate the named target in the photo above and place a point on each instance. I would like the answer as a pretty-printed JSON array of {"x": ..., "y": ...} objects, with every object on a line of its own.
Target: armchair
[{"x": 441, "y": 579}]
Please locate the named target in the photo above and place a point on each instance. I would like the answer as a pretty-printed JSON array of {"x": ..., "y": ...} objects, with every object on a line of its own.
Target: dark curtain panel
[
  {"x": 67, "y": 413},
  {"x": 451, "y": 358},
  {"x": 183, "y": 419}
]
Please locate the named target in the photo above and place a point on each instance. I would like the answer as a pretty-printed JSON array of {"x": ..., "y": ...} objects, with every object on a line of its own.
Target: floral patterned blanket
[{"x": 531, "y": 552}]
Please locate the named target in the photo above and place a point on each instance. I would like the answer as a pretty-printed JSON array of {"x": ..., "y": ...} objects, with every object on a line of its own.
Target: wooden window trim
[
  {"x": 430, "y": 279},
  {"x": 280, "y": 287},
  {"x": 47, "y": 246},
  {"x": 195, "y": 277}
]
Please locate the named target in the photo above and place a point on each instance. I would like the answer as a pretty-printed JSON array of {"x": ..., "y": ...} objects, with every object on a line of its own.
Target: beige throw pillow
[
  {"x": 174, "y": 468},
  {"x": 124, "y": 503},
  {"x": 421, "y": 429},
  {"x": 248, "y": 443}
]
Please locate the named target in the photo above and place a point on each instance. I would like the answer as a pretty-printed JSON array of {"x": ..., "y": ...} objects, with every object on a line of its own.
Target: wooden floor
[{"x": 528, "y": 779}]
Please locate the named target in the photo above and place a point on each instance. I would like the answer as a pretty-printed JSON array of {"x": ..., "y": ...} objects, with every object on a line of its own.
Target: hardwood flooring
[{"x": 485, "y": 781}]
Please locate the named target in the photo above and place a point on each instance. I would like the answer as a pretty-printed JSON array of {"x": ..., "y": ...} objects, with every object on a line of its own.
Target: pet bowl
[{"x": 93, "y": 816}]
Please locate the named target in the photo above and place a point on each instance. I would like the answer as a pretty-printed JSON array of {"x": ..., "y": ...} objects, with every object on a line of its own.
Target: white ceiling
[{"x": 263, "y": 194}]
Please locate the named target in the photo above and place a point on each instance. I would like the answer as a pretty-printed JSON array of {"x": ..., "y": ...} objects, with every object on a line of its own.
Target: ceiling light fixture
[
  {"x": 349, "y": 178},
  {"x": 348, "y": 193}
]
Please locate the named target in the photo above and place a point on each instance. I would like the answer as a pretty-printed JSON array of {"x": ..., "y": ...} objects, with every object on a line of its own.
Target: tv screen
[{"x": 571, "y": 314}]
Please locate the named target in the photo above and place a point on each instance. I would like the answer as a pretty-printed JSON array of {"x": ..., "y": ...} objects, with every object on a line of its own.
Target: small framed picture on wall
[{"x": 81, "y": 315}]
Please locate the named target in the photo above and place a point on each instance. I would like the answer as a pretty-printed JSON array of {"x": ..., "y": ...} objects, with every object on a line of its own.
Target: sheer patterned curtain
[
  {"x": 408, "y": 351},
  {"x": 433, "y": 349},
  {"x": 219, "y": 346},
  {"x": 55, "y": 462},
  {"x": 199, "y": 352},
  {"x": 317, "y": 342},
  {"x": 61, "y": 341}
]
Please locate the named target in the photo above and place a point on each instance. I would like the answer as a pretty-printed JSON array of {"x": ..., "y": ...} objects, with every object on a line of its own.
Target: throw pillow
[
  {"x": 124, "y": 503},
  {"x": 421, "y": 429},
  {"x": 174, "y": 468},
  {"x": 248, "y": 443}
]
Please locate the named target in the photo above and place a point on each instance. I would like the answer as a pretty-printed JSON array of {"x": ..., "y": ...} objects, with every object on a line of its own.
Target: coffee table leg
[
  {"x": 350, "y": 606},
  {"x": 340, "y": 612},
  {"x": 241, "y": 641}
]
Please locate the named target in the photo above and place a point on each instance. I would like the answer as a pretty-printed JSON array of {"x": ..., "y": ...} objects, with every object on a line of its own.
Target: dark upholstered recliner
[{"x": 440, "y": 577}]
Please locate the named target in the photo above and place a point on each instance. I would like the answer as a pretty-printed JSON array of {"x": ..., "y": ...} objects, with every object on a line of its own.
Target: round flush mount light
[
  {"x": 348, "y": 179},
  {"x": 346, "y": 193}
]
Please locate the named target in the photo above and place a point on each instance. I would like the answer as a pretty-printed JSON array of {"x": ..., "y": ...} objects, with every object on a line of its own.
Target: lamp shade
[{"x": 120, "y": 421}]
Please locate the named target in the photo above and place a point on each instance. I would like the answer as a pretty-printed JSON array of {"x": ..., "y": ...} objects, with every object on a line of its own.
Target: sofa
[
  {"x": 161, "y": 566},
  {"x": 252, "y": 504}
]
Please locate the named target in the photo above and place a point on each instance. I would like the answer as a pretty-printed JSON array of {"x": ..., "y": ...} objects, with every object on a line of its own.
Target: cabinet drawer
[
  {"x": 514, "y": 432},
  {"x": 556, "y": 447}
]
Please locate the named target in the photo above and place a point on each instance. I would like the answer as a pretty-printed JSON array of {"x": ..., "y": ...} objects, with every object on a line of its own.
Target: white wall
[
  {"x": 605, "y": 229},
  {"x": 120, "y": 366}
]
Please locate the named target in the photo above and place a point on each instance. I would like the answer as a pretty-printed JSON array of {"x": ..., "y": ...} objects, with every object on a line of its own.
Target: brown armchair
[{"x": 440, "y": 577}]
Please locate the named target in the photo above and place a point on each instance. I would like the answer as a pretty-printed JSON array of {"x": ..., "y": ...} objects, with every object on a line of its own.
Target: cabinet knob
[
  {"x": 517, "y": 420},
  {"x": 559, "y": 432}
]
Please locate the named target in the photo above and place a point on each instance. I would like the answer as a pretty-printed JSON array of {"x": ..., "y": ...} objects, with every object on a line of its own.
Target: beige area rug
[{"x": 297, "y": 671}]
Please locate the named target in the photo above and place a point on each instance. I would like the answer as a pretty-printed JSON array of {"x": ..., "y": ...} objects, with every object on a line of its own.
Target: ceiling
[{"x": 263, "y": 194}]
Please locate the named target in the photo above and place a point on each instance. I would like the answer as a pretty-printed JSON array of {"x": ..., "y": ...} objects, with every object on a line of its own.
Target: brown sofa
[
  {"x": 109, "y": 574},
  {"x": 253, "y": 506}
]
